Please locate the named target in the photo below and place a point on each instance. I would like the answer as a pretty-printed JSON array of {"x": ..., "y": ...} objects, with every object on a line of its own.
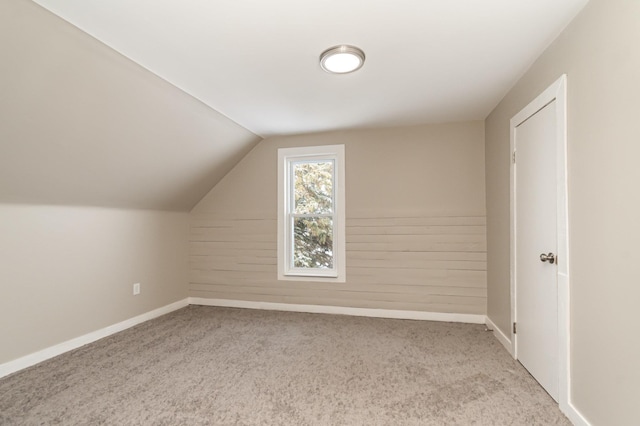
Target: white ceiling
[{"x": 256, "y": 61}]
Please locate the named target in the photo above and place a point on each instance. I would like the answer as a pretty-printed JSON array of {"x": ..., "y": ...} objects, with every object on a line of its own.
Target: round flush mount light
[{"x": 342, "y": 59}]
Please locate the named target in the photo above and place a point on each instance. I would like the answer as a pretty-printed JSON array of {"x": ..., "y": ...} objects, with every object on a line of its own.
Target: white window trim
[{"x": 285, "y": 157}]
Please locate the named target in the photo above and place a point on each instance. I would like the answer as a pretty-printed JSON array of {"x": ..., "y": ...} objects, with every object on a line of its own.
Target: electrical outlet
[{"x": 136, "y": 289}]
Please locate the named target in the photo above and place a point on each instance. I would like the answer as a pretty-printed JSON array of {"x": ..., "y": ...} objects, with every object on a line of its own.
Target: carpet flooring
[{"x": 223, "y": 366}]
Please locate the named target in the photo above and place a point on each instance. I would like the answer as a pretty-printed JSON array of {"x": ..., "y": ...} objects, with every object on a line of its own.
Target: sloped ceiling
[
  {"x": 256, "y": 61},
  {"x": 148, "y": 103},
  {"x": 80, "y": 124}
]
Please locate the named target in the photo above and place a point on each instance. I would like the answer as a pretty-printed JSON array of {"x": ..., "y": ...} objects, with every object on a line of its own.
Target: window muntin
[{"x": 311, "y": 224}]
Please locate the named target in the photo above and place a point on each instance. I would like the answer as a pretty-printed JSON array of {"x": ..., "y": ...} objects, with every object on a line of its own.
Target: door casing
[{"x": 558, "y": 92}]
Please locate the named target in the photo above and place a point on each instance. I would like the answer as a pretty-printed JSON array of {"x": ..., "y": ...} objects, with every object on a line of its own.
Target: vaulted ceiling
[
  {"x": 148, "y": 103},
  {"x": 256, "y": 61}
]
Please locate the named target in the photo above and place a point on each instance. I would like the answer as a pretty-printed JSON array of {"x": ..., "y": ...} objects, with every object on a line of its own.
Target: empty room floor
[{"x": 225, "y": 366}]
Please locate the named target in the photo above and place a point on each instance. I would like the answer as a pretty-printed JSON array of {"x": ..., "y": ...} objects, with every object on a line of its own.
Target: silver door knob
[{"x": 550, "y": 257}]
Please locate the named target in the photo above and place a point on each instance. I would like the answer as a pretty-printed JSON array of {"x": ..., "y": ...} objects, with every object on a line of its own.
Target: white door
[{"x": 536, "y": 239}]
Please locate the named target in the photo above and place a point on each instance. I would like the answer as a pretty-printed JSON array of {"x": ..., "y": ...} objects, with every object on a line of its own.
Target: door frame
[{"x": 558, "y": 92}]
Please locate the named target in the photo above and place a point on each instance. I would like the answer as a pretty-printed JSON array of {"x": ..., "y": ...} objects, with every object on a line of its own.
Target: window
[{"x": 311, "y": 213}]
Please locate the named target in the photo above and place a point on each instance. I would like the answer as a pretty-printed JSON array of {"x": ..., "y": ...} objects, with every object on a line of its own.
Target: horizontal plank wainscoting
[{"x": 430, "y": 264}]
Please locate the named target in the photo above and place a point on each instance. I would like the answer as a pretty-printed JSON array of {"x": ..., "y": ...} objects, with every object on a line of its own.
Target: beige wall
[
  {"x": 415, "y": 224},
  {"x": 68, "y": 271},
  {"x": 599, "y": 52},
  {"x": 80, "y": 124}
]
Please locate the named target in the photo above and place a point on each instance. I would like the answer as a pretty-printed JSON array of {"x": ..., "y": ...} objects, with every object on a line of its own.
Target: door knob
[{"x": 551, "y": 258}]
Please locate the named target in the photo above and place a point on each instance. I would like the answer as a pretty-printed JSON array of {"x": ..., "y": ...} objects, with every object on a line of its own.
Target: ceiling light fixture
[{"x": 342, "y": 59}]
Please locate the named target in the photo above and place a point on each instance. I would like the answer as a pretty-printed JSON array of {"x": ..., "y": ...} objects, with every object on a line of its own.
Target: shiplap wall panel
[
  {"x": 415, "y": 224},
  {"x": 369, "y": 283},
  {"x": 429, "y": 263},
  {"x": 423, "y": 290}
]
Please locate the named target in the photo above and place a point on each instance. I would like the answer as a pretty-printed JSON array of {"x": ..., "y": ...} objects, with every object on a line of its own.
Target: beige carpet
[{"x": 220, "y": 366}]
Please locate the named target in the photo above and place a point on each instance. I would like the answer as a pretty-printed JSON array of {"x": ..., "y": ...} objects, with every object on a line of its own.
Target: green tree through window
[{"x": 312, "y": 214}]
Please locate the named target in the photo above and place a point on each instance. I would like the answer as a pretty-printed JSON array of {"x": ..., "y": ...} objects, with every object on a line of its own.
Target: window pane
[
  {"x": 313, "y": 184},
  {"x": 313, "y": 242}
]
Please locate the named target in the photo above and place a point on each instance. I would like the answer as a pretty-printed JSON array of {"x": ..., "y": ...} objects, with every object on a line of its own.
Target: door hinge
[
  {"x": 514, "y": 328},
  {"x": 514, "y": 157}
]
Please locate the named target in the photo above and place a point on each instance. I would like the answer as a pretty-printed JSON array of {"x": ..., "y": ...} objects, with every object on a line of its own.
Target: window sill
[{"x": 316, "y": 278}]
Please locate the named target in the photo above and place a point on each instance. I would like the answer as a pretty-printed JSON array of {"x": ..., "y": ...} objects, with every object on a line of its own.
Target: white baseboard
[
  {"x": 340, "y": 310},
  {"x": 53, "y": 351},
  {"x": 574, "y": 415},
  {"x": 502, "y": 338}
]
